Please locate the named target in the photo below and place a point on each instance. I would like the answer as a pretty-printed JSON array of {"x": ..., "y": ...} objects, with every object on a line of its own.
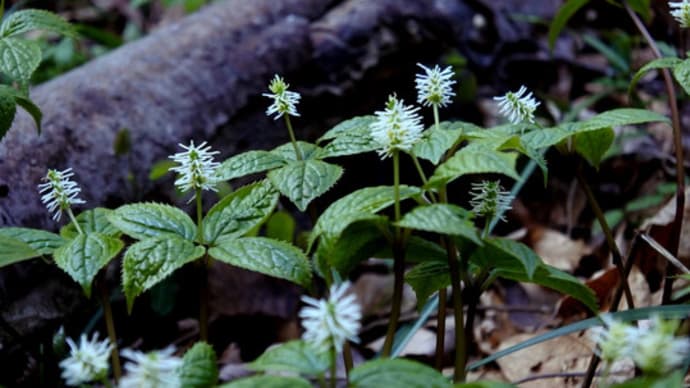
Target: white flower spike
[
  {"x": 59, "y": 192},
  {"x": 680, "y": 10},
  {"x": 330, "y": 322},
  {"x": 615, "y": 339},
  {"x": 197, "y": 169},
  {"x": 284, "y": 101},
  {"x": 157, "y": 369},
  {"x": 489, "y": 199},
  {"x": 397, "y": 127},
  {"x": 435, "y": 86},
  {"x": 656, "y": 351},
  {"x": 87, "y": 361},
  {"x": 518, "y": 107}
]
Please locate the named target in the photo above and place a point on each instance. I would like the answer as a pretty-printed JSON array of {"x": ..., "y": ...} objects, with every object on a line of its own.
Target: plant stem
[
  {"x": 334, "y": 369},
  {"x": 110, "y": 328},
  {"x": 398, "y": 263},
  {"x": 460, "y": 342},
  {"x": 441, "y": 328},
  {"x": 678, "y": 145},
  {"x": 298, "y": 152},
  {"x": 74, "y": 220},
  {"x": 203, "y": 272},
  {"x": 615, "y": 252},
  {"x": 347, "y": 358}
]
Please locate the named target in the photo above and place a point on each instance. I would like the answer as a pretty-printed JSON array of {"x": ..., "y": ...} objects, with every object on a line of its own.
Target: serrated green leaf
[
  {"x": 85, "y": 255},
  {"x": 43, "y": 242},
  {"x": 517, "y": 144},
  {"x": 93, "y": 220},
  {"x": 441, "y": 219},
  {"x": 239, "y": 212},
  {"x": 362, "y": 204},
  {"x": 270, "y": 257},
  {"x": 546, "y": 137},
  {"x": 359, "y": 241},
  {"x": 426, "y": 278},
  {"x": 475, "y": 160},
  {"x": 287, "y": 151},
  {"x": 8, "y": 108},
  {"x": 149, "y": 261},
  {"x": 293, "y": 356},
  {"x": 659, "y": 63},
  {"x": 504, "y": 254},
  {"x": 250, "y": 162},
  {"x": 26, "y": 20},
  {"x": 145, "y": 220},
  {"x": 160, "y": 169},
  {"x": 199, "y": 367},
  {"x": 354, "y": 124},
  {"x": 19, "y": 58},
  {"x": 593, "y": 145},
  {"x": 564, "y": 14},
  {"x": 436, "y": 141},
  {"x": 618, "y": 117},
  {"x": 350, "y": 137},
  {"x": 13, "y": 251},
  {"x": 397, "y": 373},
  {"x": 305, "y": 180},
  {"x": 267, "y": 381},
  {"x": 30, "y": 108},
  {"x": 281, "y": 225},
  {"x": 681, "y": 72}
]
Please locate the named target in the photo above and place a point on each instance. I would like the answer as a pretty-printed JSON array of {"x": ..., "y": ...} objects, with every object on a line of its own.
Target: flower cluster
[
  {"x": 654, "y": 349},
  {"x": 435, "y": 86},
  {"x": 59, "y": 192},
  {"x": 680, "y": 10},
  {"x": 396, "y": 128},
  {"x": 284, "y": 101},
  {"x": 156, "y": 369},
  {"x": 87, "y": 361},
  {"x": 328, "y": 323},
  {"x": 197, "y": 169},
  {"x": 518, "y": 107},
  {"x": 489, "y": 199}
]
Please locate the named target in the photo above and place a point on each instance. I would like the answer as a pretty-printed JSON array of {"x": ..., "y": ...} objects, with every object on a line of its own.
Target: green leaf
[
  {"x": 359, "y": 241},
  {"x": 397, "y": 373},
  {"x": 270, "y": 257},
  {"x": 239, "y": 212},
  {"x": 149, "y": 261},
  {"x": 362, "y": 204},
  {"x": 435, "y": 142},
  {"x": 426, "y": 278},
  {"x": 199, "y": 367},
  {"x": 517, "y": 144},
  {"x": 441, "y": 219},
  {"x": 93, "y": 220},
  {"x": 41, "y": 241},
  {"x": 681, "y": 72},
  {"x": 144, "y": 220},
  {"x": 84, "y": 256},
  {"x": 19, "y": 58},
  {"x": 564, "y": 14},
  {"x": 618, "y": 117},
  {"x": 281, "y": 225},
  {"x": 593, "y": 145},
  {"x": 27, "y": 20},
  {"x": 8, "y": 108},
  {"x": 350, "y": 137},
  {"x": 546, "y": 137},
  {"x": 475, "y": 160},
  {"x": 293, "y": 356},
  {"x": 303, "y": 181},
  {"x": 268, "y": 381},
  {"x": 160, "y": 169},
  {"x": 13, "y": 251},
  {"x": 659, "y": 63},
  {"x": 642, "y": 7},
  {"x": 287, "y": 151},
  {"x": 612, "y": 56},
  {"x": 509, "y": 255},
  {"x": 250, "y": 162},
  {"x": 30, "y": 108},
  {"x": 674, "y": 379}
]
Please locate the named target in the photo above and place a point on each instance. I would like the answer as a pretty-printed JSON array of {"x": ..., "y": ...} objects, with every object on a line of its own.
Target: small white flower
[
  {"x": 196, "y": 168},
  {"x": 87, "y": 361},
  {"x": 397, "y": 127},
  {"x": 435, "y": 86},
  {"x": 59, "y": 192},
  {"x": 680, "y": 10},
  {"x": 616, "y": 339},
  {"x": 516, "y": 108},
  {"x": 489, "y": 199},
  {"x": 330, "y": 322},
  {"x": 157, "y": 369},
  {"x": 656, "y": 351},
  {"x": 284, "y": 101}
]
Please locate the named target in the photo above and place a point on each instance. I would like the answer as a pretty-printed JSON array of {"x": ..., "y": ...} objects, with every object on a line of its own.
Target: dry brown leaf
[{"x": 557, "y": 249}]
